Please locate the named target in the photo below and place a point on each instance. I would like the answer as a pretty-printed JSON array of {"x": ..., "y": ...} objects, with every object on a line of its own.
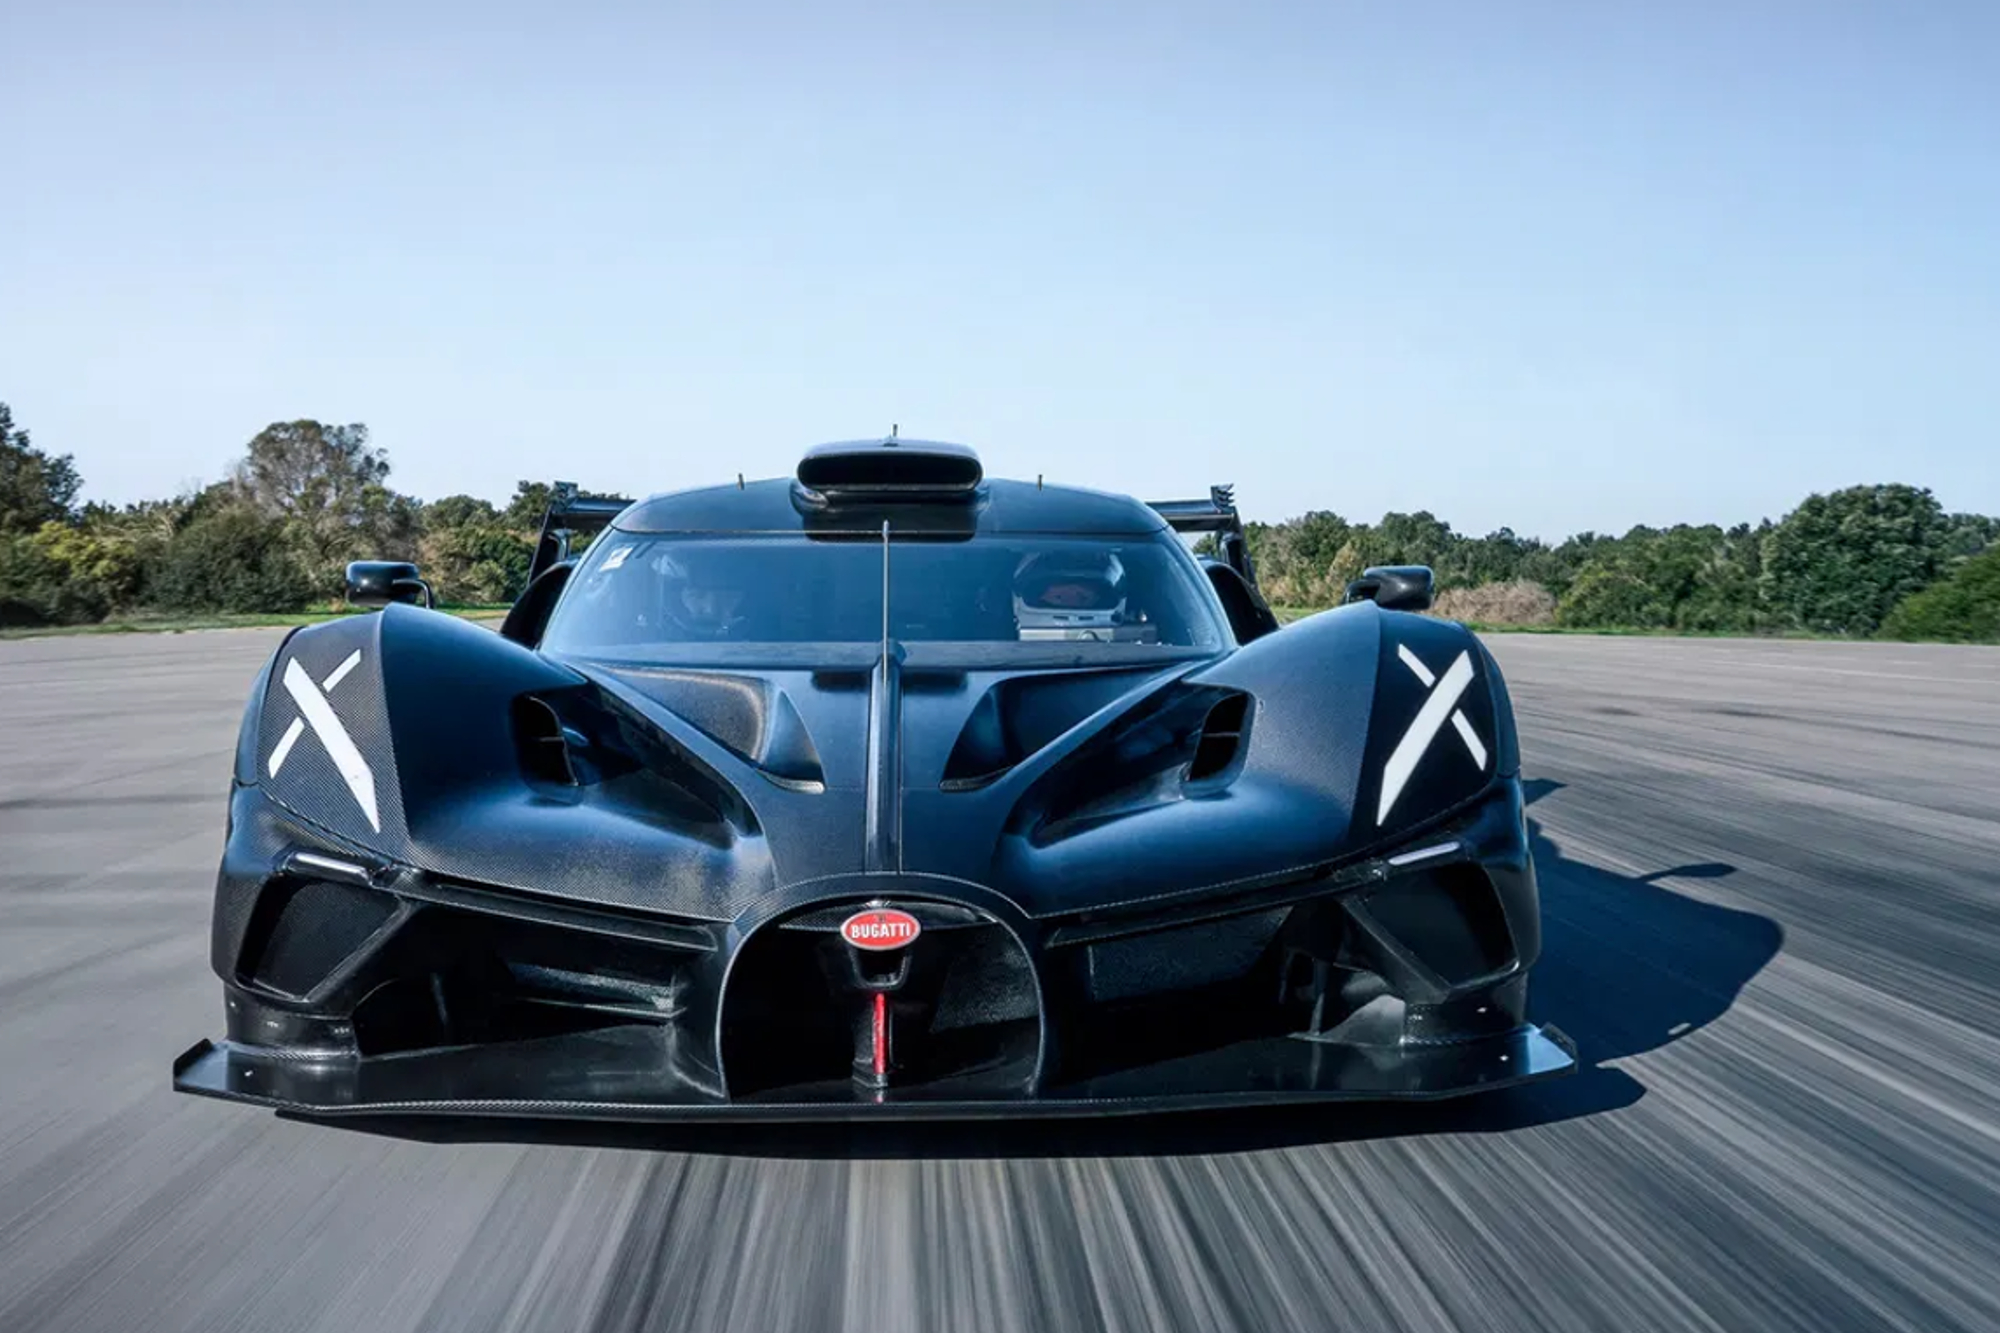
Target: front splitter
[{"x": 626, "y": 1074}]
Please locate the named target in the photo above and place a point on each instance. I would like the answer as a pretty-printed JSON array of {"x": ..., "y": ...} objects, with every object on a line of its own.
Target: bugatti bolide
[{"x": 882, "y": 789}]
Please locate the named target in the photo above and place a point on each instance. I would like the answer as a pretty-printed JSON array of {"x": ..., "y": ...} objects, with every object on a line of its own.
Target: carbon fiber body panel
[{"x": 565, "y": 1079}]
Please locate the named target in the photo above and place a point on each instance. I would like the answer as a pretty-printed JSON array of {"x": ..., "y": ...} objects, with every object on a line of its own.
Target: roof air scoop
[{"x": 891, "y": 471}]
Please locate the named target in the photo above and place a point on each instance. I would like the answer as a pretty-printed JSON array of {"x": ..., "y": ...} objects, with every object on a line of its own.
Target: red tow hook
[{"x": 878, "y": 940}]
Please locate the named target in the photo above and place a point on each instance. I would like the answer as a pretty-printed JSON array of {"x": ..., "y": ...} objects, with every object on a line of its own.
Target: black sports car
[{"x": 884, "y": 789}]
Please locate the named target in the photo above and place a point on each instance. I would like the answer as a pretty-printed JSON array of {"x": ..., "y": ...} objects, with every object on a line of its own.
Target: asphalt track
[{"x": 1772, "y": 880}]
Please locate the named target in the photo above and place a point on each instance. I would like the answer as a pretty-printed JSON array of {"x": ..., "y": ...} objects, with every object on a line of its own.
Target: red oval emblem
[{"x": 880, "y": 928}]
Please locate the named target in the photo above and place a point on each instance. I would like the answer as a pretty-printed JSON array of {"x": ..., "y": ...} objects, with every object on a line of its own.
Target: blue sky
[{"x": 1559, "y": 266}]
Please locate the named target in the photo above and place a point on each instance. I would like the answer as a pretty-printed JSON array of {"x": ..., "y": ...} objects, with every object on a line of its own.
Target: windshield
[{"x": 679, "y": 598}]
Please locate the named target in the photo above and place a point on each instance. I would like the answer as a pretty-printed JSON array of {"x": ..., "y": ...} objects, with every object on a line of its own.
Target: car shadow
[{"x": 1628, "y": 966}]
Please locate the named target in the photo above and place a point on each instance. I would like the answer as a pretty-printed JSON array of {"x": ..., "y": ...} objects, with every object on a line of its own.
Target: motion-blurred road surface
[{"x": 1772, "y": 880}]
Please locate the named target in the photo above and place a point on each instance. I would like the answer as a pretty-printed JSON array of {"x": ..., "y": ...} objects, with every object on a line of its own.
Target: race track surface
[{"x": 1772, "y": 880}]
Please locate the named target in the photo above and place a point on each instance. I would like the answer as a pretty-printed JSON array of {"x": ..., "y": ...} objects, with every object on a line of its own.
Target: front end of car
[
  {"x": 573, "y": 981},
  {"x": 930, "y": 875}
]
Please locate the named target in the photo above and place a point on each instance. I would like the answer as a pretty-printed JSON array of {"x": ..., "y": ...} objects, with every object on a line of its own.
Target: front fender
[
  {"x": 1367, "y": 727},
  {"x": 397, "y": 733},
  {"x": 1392, "y": 718},
  {"x": 352, "y": 713}
]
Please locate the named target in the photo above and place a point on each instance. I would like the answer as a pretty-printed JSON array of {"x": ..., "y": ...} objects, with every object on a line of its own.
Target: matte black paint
[{"x": 1190, "y": 847}]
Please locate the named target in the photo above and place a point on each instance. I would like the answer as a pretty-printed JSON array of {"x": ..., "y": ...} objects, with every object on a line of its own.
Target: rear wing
[
  {"x": 571, "y": 514},
  {"x": 1250, "y": 616},
  {"x": 1217, "y": 514}
]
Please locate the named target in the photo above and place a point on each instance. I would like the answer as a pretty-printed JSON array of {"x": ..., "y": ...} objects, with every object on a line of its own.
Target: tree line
[
  {"x": 274, "y": 535},
  {"x": 1866, "y": 561},
  {"x": 307, "y": 496}
]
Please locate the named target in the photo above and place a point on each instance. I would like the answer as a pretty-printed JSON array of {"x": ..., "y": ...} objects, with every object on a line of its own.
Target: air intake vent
[
  {"x": 543, "y": 746},
  {"x": 1221, "y": 738},
  {"x": 1017, "y": 717},
  {"x": 889, "y": 471},
  {"x": 302, "y": 931}
]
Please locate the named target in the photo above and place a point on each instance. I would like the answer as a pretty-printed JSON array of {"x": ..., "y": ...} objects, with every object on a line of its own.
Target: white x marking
[
  {"x": 1430, "y": 719},
  {"x": 316, "y": 712}
]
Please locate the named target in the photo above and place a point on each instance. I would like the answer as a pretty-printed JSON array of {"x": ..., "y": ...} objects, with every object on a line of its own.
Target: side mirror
[
  {"x": 380, "y": 582},
  {"x": 1394, "y": 587}
]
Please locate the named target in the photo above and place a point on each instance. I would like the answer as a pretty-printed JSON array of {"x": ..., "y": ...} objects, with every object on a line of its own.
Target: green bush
[
  {"x": 1840, "y": 562},
  {"x": 1965, "y": 608},
  {"x": 32, "y": 591},
  {"x": 100, "y": 565},
  {"x": 476, "y": 563},
  {"x": 1605, "y": 597},
  {"x": 60, "y": 575},
  {"x": 233, "y": 561}
]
